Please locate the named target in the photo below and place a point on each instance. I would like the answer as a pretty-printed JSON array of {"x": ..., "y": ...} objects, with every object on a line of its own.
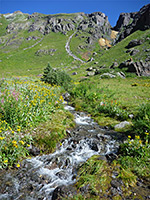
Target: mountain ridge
[{"x": 23, "y": 35}]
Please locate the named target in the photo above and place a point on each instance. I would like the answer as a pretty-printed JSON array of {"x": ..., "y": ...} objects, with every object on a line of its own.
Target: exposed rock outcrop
[
  {"x": 96, "y": 24},
  {"x": 140, "y": 68},
  {"x": 131, "y": 22}
]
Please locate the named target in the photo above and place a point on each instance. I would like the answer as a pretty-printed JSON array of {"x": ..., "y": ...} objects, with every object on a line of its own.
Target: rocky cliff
[
  {"x": 131, "y": 22},
  {"x": 95, "y": 23}
]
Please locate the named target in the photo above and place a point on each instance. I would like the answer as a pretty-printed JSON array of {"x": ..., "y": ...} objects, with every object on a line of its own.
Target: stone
[
  {"x": 91, "y": 73},
  {"x": 64, "y": 192},
  {"x": 134, "y": 52},
  {"x": 94, "y": 146},
  {"x": 115, "y": 64},
  {"x": 122, "y": 125},
  {"x": 134, "y": 43},
  {"x": 121, "y": 75},
  {"x": 74, "y": 73},
  {"x": 107, "y": 75},
  {"x": 141, "y": 68}
]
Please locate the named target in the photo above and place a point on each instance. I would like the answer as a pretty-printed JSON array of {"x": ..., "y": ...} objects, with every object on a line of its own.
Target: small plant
[
  {"x": 135, "y": 147},
  {"x": 142, "y": 119},
  {"x": 13, "y": 145},
  {"x": 135, "y": 155}
]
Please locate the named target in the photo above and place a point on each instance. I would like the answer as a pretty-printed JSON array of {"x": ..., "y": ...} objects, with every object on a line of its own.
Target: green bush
[{"x": 56, "y": 77}]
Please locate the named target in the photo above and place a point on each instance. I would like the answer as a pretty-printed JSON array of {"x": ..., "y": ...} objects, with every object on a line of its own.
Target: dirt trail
[{"x": 67, "y": 47}]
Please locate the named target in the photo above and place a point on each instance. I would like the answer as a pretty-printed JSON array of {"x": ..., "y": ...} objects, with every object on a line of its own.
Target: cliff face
[
  {"x": 62, "y": 23},
  {"x": 131, "y": 22}
]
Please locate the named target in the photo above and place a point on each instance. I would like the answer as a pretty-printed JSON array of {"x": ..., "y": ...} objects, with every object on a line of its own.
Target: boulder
[
  {"x": 107, "y": 75},
  {"x": 122, "y": 125},
  {"x": 92, "y": 73},
  {"x": 134, "y": 52},
  {"x": 134, "y": 43},
  {"x": 121, "y": 74},
  {"x": 141, "y": 68},
  {"x": 74, "y": 73}
]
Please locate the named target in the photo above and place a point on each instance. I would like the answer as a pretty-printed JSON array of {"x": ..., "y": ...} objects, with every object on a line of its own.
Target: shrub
[{"x": 56, "y": 77}]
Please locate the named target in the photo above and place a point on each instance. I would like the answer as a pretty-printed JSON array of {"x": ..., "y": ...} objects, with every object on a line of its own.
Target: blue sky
[{"x": 112, "y": 8}]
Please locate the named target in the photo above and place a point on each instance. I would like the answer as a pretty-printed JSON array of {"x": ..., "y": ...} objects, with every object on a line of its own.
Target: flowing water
[{"x": 37, "y": 178}]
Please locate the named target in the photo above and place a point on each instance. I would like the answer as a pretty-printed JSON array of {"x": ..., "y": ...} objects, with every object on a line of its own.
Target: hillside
[
  {"x": 85, "y": 133},
  {"x": 31, "y": 41}
]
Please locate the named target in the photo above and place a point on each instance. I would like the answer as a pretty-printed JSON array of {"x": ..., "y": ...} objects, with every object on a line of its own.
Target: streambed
[{"x": 39, "y": 176}]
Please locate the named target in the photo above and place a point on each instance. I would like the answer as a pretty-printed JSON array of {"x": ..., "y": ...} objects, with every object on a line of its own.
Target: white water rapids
[{"x": 39, "y": 176}]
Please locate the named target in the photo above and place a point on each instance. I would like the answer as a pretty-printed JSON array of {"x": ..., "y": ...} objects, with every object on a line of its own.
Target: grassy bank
[{"x": 31, "y": 113}]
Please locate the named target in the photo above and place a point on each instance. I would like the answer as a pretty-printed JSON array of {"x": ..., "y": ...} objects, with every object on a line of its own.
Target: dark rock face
[
  {"x": 124, "y": 20},
  {"x": 134, "y": 43},
  {"x": 132, "y": 22},
  {"x": 140, "y": 68}
]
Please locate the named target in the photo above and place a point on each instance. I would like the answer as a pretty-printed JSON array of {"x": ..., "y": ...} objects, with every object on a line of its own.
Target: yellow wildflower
[
  {"x": 2, "y": 138},
  {"x": 22, "y": 142},
  {"x": 146, "y": 133},
  {"x": 5, "y": 161},
  {"x": 129, "y": 136},
  {"x": 14, "y": 142},
  {"x": 18, "y": 165},
  {"x": 137, "y": 137},
  {"x": 15, "y": 145},
  {"x": 140, "y": 141}
]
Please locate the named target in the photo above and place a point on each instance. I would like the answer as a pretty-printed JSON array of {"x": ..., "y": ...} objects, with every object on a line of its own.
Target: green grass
[
  {"x": 20, "y": 62},
  {"x": 113, "y": 93},
  {"x": 4, "y": 24}
]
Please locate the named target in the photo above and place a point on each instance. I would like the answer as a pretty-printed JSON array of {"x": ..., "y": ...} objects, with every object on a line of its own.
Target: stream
[{"x": 38, "y": 177}]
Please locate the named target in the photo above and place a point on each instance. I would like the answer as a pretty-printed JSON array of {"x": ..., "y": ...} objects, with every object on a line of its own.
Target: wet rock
[
  {"x": 34, "y": 151},
  {"x": 111, "y": 156},
  {"x": 94, "y": 146},
  {"x": 102, "y": 158},
  {"x": 64, "y": 192}
]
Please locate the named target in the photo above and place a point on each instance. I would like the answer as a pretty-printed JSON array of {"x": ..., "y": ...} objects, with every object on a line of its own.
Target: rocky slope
[
  {"x": 131, "y": 22},
  {"x": 96, "y": 24}
]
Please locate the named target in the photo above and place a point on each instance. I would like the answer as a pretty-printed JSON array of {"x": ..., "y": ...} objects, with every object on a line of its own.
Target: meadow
[{"x": 27, "y": 106}]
